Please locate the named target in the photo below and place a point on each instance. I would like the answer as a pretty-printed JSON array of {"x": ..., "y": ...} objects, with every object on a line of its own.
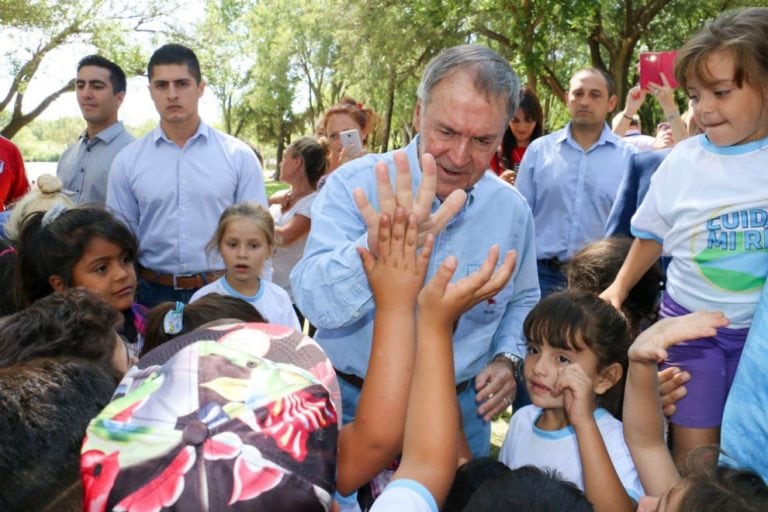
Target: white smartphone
[{"x": 350, "y": 140}]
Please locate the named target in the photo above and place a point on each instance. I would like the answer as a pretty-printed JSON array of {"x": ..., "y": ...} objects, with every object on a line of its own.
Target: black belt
[{"x": 358, "y": 381}]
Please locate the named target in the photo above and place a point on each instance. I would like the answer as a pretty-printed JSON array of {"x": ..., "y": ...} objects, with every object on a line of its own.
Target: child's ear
[
  {"x": 608, "y": 378},
  {"x": 57, "y": 283}
]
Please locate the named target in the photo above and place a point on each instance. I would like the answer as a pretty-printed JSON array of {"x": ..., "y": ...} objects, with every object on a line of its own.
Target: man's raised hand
[{"x": 402, "y": 195}]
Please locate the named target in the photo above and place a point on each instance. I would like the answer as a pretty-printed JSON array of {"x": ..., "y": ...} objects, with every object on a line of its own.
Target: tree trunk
[
  {"x": 19, "y": 120},
  {"x": 388, "y": 114}
]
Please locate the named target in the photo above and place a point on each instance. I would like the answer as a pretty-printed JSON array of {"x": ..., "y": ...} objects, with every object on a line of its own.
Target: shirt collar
[
  {"x": 106, "y": 135},
  {"x": 606, "y": 137},
  {"x": 202, "y": 131}
]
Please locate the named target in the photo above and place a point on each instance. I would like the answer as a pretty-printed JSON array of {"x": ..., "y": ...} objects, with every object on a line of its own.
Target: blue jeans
[
  {"x": 478, "y": 432},
  {"x": 151, "y": 294},
  {"x": 550, "y": 279}
]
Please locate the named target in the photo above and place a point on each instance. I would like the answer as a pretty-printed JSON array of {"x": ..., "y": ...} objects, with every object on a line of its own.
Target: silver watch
[{"x": 517, "y": 362}]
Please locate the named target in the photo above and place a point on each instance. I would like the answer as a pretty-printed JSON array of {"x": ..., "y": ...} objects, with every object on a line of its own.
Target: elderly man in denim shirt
[{"x": 466, "y": 96}]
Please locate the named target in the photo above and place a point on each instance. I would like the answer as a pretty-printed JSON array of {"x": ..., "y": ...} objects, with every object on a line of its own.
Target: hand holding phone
[
  {"x": 652, "y": 64},
  {"x": 350, "y": 141}
]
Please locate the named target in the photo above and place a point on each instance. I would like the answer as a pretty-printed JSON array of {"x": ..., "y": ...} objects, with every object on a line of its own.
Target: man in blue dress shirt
[
  {"x": 571, "y": 176},
  {"x": 172, "y": 185},
  {"x": 466, "y": 96},
  {"x": 84, "y": 166}
]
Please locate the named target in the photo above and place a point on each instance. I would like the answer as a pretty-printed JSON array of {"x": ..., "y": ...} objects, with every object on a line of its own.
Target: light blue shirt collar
[{"x": 737, "y": 149}]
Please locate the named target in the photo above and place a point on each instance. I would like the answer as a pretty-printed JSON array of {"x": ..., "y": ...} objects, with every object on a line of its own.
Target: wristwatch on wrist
[{"x": 515, "y": 360}]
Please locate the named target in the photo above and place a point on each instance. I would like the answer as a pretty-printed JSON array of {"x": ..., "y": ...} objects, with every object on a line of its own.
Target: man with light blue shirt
[
  {"x": 571, "y": 176},
  {"x": 84, "y": 166},
  {"x": 172, "y": 185},
  {"x": 466, "y": 96}
]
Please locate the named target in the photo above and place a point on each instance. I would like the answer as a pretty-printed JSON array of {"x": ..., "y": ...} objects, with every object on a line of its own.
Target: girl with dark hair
[
  {"x": 169, "y": 319},
  {"x": 82, "y": 247},
  {"x": 574, "y": 373},
  {"x": 524, "y": 128}
]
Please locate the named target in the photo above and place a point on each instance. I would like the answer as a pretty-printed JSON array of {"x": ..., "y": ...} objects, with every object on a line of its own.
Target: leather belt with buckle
[{"x": 180, "y": 281}]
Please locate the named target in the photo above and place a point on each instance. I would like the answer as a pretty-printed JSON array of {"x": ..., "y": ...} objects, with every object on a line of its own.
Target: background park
[{"x": 272, "y": 67}]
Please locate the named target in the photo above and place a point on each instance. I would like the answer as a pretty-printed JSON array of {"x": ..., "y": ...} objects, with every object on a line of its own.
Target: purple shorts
[{"x": 712, "y": 364}]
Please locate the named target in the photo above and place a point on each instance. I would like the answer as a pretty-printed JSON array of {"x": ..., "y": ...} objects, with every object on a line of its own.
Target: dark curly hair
[
  {"x": 74, "y": 322},
  {"x": 47, "y": 404}
]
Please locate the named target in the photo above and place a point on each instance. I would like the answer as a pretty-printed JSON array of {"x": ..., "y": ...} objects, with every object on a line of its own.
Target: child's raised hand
[
  {"x": 576, "y": 388},
  {"x": 397, "y": 274},
  {"x": 652, "y": 344},
  {"x": 444, "y": 301},
  {"x": 614, "y": 296}
]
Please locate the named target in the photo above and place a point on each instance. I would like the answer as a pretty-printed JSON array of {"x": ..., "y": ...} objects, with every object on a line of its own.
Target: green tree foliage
[
  {"x": 39, "y": 28},
  {"x": 293, "y": 59}
]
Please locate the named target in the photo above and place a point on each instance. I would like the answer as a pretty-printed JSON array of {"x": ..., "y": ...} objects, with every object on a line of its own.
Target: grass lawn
[
  {"x": 499, "y": 427},
  {"x": 274, "y": 186}
]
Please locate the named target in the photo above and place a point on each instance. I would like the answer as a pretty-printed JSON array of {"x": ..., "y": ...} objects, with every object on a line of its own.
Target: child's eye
[
  {"x": 255, "y": 246},
  {"x": 563, "y": 360},
  {"x": 532, "y": 350},
  {"x": 100, "y": 269},
  {"x": 231, "y": 245},
  {"x": 721, "y": 94}
]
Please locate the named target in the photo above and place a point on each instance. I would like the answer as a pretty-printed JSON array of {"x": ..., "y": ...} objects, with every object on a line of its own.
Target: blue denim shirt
[
  {"x": 570, "y": 190},
  {"x": 172, "y": 197},
  {"x": 331, "y": 288}
]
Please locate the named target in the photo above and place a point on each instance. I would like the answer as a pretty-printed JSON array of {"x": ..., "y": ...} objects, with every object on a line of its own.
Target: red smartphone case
[{"x": 654, "y": 63}]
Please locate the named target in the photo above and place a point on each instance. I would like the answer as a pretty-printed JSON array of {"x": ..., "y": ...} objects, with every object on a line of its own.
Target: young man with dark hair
[
  {"x": 570, "y": 177},
  {"x": 172, "y": 185},
  {"x": 84, "y": 166}
]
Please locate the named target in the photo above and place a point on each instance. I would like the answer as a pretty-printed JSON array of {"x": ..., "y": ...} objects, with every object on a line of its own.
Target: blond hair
[
  {"x": 41, "y": 199},
  {"x": 246, "y": 210}
]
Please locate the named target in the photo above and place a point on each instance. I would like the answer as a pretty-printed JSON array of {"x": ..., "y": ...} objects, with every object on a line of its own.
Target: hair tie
[
  {"x": 10, "y": 250},
  {"x": 53, "y": 214},
  {"x": 173, "y": 321}
]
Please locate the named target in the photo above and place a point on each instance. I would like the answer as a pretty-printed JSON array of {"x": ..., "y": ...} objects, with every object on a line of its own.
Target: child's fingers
[
  {"x": 411, "y": 238},
  {"x": 426, "y": 252},
  {"x": 670, "y": 331},
  {"x": 500, "y": 277},
  {"x": 385, "y": 236},
  {"x": 397, "y": 238},
  {"x": 443, "y": 275}
]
